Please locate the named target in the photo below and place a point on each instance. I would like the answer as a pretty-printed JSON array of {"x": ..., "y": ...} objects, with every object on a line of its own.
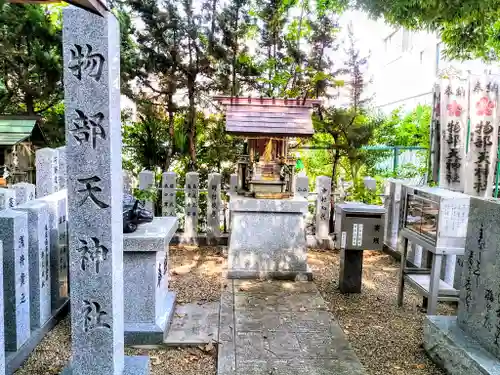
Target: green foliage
[
  {"x": 469, "y": 28},
  {"x": 405, "y": 129},
  {"x": 30, "y": 58},
  {"x": 151, "y": 194}
]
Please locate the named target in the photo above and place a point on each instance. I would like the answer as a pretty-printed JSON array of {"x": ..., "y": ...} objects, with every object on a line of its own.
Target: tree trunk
[
  {"x": 192, "y": 123},
  {"x": 30, "y": 104},
  {"x": 171, "y": 131},
  {"x": 235, "y": 54},
  {"x": 299, "y": 63},
  {"x": 212, "y": 28}
]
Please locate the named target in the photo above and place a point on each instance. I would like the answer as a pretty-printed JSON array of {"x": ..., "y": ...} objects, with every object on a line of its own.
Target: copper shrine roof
[{"x": 268, "y": 116}]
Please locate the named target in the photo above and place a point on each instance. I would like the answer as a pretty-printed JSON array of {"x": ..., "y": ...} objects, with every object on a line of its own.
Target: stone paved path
[{"x": 280, "y": 328}]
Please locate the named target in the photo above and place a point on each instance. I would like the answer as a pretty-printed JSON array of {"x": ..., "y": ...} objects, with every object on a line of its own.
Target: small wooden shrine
[{"x": 265, "y": 170}]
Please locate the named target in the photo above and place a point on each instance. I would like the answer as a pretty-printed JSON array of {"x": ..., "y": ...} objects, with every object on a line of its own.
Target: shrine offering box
[{"x": 436, "y": 218}]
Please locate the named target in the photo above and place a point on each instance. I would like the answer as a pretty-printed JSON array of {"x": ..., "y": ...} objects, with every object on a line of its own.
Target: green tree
[
  {"x": 30, "y": 58},
  {"x": 469, "y": 28}
]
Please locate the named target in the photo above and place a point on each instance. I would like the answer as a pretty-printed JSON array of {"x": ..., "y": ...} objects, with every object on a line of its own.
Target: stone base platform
[
  {"x": 276, "y": 275},
  {"x": 137, "y": 365},
  {"x": 455, "y": 351},
  {"x": 151, "y": 333},
  {"x": 267, "y": 238}
]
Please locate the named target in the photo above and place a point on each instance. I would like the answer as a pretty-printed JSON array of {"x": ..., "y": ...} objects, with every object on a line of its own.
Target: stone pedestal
[
  {"x": 148, "y": 306},
  {"x": 267, "y": 238},
  {"x": 351, "y": 271},
  {"x": 454, "y": 350}
]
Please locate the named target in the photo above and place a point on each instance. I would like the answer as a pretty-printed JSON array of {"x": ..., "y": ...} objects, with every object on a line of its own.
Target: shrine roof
[
  {"x": 268, "y": 116},
  {"x": 15, "y": 129}
]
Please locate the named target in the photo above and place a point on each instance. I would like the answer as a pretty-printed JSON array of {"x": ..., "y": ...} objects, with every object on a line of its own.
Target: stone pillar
[
  {"x": 57, "y": 204},
  {"x": 47, "y": 167},
  {"x": 302, "y": 186},
  {"x": 91, "y": 51},
  {"x": 7, "y": 198},
  {"x": 191, "y": 206},
  {"x": 127, "y": 182},
  {"x": 63, "y": 173},
  {"x": 147, "y": 181},
  {"x": 24, "y": 192},
  {"x": 39, "y": 260},
  {"x": 16, "y": 292},
  {"x": 168, "y": 194},
  {"x": 323, "y": 188},
  {"x": 213, "y": 206}
]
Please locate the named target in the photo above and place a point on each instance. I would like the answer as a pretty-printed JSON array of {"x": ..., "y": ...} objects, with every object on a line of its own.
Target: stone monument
[
  {"x": 24, "y": 192},
  {"x": 47, "y": 167},
  {"x": 168, "y": 200},
  {"x": 57, "y": 205},
  {"x": 39, "y": 261},
  {"x": 470, "y": 344},
  {"x": 7, "y": 198},
  {"x": 192, "y": 192},
  {"x": 147, "y": 181},
  {"x": 213, "y": 207},
  {"x": 91, "y": 51},
  {"x": 16, "y": 291}
]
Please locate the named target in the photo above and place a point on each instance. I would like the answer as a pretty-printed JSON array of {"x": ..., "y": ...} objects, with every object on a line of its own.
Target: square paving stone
[
  {"x": 280, "y": 302},
  {"x": 320, "y": 345},
  {"x": 254, "y": 320},
  {"x": 273, "y": 287},
  {"x": 283, "y": 344},
  {"x": 251, "y": 345},
  {"x": 309, "y": 321},
  {"x": 299, "y": 367}
]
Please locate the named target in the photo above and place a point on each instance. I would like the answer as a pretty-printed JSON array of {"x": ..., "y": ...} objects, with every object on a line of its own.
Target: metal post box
[{"x": 359, "y": 226}]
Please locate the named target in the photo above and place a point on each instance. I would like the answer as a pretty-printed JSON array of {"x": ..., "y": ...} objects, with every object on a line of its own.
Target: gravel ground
[
  {"x": 195, "y": 273},
  {"x": 195, "y": 276},
  {"x": 387, "y": 339}
]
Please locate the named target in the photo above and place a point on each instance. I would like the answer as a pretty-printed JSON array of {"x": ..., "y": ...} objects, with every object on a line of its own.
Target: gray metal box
[
  {"x": 359, "y": 226},
  {"x": 436, "y": 218}
]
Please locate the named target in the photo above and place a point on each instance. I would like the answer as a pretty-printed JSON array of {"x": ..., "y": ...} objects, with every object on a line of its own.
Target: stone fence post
[{"x": 168, "y": 194}]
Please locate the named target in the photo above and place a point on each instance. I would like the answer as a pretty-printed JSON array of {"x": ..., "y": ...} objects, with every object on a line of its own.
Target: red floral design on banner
[
  {"x": 485, "y": 107},
  {"x": 454, "y": 109}
]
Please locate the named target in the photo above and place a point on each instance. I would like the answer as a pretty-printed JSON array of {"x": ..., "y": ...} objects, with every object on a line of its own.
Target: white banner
[
  {"x": 454, "y": 114},
  {"x": 483, "y": 135}
]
